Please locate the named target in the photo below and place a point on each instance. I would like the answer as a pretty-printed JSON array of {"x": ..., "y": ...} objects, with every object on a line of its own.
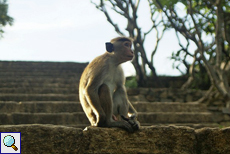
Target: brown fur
[{"x": 102, "y": 91}]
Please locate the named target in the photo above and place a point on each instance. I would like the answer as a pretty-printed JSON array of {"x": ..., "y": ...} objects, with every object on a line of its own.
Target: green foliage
[
  {"x": 166, "y": 3},
  {"x": 4, "y": 17},
  {"x": 131, "y": 82},
  {"x": 201, "y": 79},
  {"x": 196, "y": 24}
]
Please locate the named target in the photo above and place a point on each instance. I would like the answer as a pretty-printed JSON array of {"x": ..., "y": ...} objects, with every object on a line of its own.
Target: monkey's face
[{"x": 127, "y": 51}]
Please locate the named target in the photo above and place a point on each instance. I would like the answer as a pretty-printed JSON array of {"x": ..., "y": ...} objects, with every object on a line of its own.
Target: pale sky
[{"x": 72, "y": 31}]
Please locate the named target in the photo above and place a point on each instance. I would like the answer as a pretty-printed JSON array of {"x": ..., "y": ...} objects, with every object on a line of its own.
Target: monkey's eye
[{"x": 128, "y": 45}]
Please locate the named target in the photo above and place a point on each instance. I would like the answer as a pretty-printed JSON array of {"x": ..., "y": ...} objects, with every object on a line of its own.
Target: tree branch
[
  {"x": 191, "y": 72},
  {"x": 194, "y": 22},
  {"x": 102, "y": 8}
]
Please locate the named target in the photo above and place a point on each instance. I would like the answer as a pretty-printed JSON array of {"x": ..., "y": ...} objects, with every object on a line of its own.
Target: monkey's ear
[{"x": 109, "y": 46}]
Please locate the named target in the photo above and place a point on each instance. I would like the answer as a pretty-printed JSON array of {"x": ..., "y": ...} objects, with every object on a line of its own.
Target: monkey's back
[{"x": 93, "y": 70}]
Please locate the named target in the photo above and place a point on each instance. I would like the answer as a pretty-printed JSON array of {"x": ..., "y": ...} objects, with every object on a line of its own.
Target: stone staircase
[{"x": 47, "y": 93}]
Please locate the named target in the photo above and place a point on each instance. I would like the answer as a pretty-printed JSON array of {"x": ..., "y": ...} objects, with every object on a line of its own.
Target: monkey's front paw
[
  {"x": 134, "y": 124},
  {"x": 127, "y": 126}
]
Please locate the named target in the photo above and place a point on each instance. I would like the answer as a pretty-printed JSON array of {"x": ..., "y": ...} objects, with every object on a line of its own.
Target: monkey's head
[{"x": 121, "y": 47}]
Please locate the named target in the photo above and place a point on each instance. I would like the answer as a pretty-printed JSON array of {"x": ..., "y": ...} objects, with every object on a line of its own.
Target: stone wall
[
  {"x": 36, "y": 139},
  {"x": 164, "y": 94},
  {"x": 20, "y": 81},
  {"x": 167, "y": 81}
]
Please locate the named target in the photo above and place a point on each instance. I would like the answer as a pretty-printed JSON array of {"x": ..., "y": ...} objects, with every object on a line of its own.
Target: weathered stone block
[
  {"x": 157, "y": 140},
  {"x": 36, "y": 139},
  {"x": 164, "y": 94},
  {"x": 137, "y": 98},
  {"x": 213, "y": 141},
  {"x": 144, "y": 91},
  {"x": 166, "y": 100},
  {"x": 133, "y": 91},
  {"x": 189, "y": 98},
  {"x": 152, "y": 98},
  {"x": 39, "y": 139}
]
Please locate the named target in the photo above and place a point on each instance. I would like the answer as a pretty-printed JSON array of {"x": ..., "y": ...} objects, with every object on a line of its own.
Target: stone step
[
  {"x": 37, "y": 84},
  {"x": 45, "y": 69},
  {"x": 32, "y": 71},
  {"x": 39, "y": 80},
  {"x": 80, "y": 118},
  {"x": 48, "y": 69},
  {"x": 39, "y": 90},
  {"x": 40, "y": 107},
  {"x": 41, "y": 65},
  {"x": 39, "y": 73},
  {"x": 169, "y": 107},
  {"x": 67, "y": 106},
  {"x": 182, "y": 117},
  {"x": 28, "y": 93},
  {"x": 192, "y": 125},
  {"x": 48, "y": 95},
  {"x": 43, "y": 118},
  {"x": 39, "y": 97}
]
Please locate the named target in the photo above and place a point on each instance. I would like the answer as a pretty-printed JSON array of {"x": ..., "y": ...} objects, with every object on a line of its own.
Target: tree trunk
[{"x": 139, "y": 74}]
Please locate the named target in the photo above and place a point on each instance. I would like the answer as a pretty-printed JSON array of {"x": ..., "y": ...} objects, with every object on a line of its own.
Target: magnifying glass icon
[{"x": 9, "y": 141}]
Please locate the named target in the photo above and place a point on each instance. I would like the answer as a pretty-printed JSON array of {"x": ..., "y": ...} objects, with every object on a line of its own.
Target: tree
[
  {"x": 128, "y": 9},
  {"x": 206, "y": 24},
  {"x": 4, "y": 17}
]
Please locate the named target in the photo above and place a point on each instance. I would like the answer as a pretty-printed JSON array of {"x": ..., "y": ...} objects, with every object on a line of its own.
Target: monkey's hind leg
[{"x": 106, "y": 103}]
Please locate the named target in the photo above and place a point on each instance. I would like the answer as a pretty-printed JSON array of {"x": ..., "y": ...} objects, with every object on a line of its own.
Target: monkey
[{"x": 102, "y": 91}]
